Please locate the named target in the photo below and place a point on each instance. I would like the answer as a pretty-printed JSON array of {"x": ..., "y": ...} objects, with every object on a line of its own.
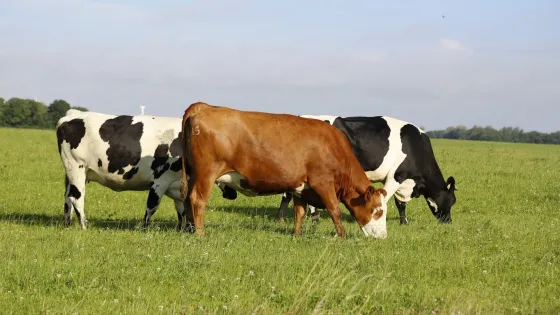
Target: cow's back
[
  {"x": 118, "y": 151},
  {"x": 263, "y": 145}
]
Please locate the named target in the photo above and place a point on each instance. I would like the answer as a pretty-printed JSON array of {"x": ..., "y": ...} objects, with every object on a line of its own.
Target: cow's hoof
[{"x": 189, "y": 228}]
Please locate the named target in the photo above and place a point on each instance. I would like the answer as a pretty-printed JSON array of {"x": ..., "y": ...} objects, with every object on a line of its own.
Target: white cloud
[
  {"x": 453, "y": 45},
  {"x": 169, "y": 65}
]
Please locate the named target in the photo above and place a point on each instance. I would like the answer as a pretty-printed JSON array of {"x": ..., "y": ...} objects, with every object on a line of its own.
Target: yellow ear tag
[{"x": 448, "y": 186}]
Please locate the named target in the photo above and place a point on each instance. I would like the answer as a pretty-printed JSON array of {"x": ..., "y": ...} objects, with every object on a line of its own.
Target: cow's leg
[
  {"x": 402, "y": 196},
  {"x": 75, "y": 196},
  {"x": 328, "y": 196},
  {"x": 180, "y": 208},
  {"x": 286, "y": 198},
  {"x": 199, "y": 192},
  {"x": 299, "y": 213},
  {"x": 157, "y": 189},
  {"x": 314, "y": 214},
  {"x": 402, "y": 210},
  {"x": 174, "y": 192},
  {"x": 391, "y": 186},
  {"x": 68, "y": 208}
]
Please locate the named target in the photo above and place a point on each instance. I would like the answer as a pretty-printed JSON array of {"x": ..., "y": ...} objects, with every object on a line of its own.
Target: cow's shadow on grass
[
  {"x": 46, "y": 220},
  {"x": 271, "y": 212},
  {"x": 267, "y": 214}
]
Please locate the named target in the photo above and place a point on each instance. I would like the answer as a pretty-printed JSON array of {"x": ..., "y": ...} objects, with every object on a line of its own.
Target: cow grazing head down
[
  {"x": 370, "y": 211},
  {"x": 444, "y": 200}
]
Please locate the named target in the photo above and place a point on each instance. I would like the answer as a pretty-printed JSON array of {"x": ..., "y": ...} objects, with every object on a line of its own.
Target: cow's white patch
[
  {"x": 394, "y": 156},
  {"x": 404, "y": 192},
  {"x": 433, "y": 204},
  {"x": 297, "y": 192},
  {"x": 233, "y": 179},
  {"x": 167, "y": 136}
]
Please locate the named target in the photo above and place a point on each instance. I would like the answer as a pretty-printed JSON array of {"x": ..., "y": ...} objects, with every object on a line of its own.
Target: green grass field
[{"x": 500, "y": 255}]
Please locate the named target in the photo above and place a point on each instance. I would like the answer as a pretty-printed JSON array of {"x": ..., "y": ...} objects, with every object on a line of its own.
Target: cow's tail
[
  {"x": 185, "y": 159},
  {"x": 186, "y": 136}
]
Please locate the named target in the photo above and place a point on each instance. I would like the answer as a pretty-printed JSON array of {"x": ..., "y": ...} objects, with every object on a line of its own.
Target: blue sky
[{"x": 486, "y": 63}]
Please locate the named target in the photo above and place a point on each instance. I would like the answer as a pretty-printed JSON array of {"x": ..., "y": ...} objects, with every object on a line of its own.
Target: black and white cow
[
  {"x": 121, "y": 153},
  {"x": 400, "y": 155}
]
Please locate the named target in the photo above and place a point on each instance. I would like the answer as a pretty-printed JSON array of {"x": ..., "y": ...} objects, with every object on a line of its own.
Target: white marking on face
[
  {"x": 432, "y": 204},
  {"x": 377, "y": 228}
]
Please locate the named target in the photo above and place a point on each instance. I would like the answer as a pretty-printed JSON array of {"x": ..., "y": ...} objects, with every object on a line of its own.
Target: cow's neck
[
  {"x": 353, "y": 186},
  {"x": 435, "y": 183}
]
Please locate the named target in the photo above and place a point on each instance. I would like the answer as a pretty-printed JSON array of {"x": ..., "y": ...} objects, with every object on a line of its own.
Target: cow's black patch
[
  {"x": 417, "y": 163},
  {"x": 128, "y": 175},
  {"x": 177, "y": 165},
  {"x": 74, "y": 192},
  {"x": 229, "y": 193},
  {"x": 368, "y": 137},
  {"x": 124, "y": 142},
  {"x": 71, "y": 131},
  {"x": 99, "y": 163},
  {"x": 176, "y": 149},
  {"x": 153, "y": 198},
  {"x": 160, "y": 165},
  {"x": 161, "y": 151}
]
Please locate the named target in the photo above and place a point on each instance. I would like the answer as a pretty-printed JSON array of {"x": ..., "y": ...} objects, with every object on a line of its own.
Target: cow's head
[
  {"x": 443, "y": 201},
  {"x": 370, "y": 212}
]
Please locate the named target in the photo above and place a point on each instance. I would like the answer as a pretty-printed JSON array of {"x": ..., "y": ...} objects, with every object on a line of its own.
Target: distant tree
[
  {"x": 17, "y": 112},
  {"x": 1, "y": 111},
  {"x": 40, "y": 115},
  {"x": 458, "y": 132},
  {"x": 57, "y": 109},
  {"x": 83, "y": 109}
]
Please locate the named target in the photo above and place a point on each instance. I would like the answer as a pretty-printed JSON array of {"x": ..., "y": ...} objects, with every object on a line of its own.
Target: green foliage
[
  {"x": 27, "y": 113},
  {"x": 57, "y": 110},
  {"x": 499, "y": 256},
  {"x": 505, "y": 134},
  {"x": 83, "y": 109}
]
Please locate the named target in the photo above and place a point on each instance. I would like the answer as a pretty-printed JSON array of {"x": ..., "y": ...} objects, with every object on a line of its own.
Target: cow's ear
[
  {"x": 382, "y": 191},
  {"x": 451, "y": 184},
  {"x": 370, "y": 192}
]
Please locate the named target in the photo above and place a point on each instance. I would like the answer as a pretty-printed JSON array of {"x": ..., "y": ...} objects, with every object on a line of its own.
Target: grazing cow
[
  {"x": 400, "y": 155},
  {"x": 245, "y": 151},
  {"x": 121, "y": 153}
]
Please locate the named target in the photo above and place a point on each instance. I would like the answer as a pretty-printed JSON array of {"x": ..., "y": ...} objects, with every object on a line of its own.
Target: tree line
[
  {"x": 27, "y": 113},
  {"x": 505, "y": 134}
]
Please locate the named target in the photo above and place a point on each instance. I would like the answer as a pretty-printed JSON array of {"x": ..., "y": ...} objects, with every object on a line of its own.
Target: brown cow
[{"x": 261, "y": 154}]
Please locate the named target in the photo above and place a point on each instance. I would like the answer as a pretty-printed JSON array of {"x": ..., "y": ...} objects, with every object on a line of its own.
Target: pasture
[{"x": 500, "y": 255}]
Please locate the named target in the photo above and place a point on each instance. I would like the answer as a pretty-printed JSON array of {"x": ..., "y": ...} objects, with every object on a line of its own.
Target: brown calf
[{"x": 260, "y": 154}]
